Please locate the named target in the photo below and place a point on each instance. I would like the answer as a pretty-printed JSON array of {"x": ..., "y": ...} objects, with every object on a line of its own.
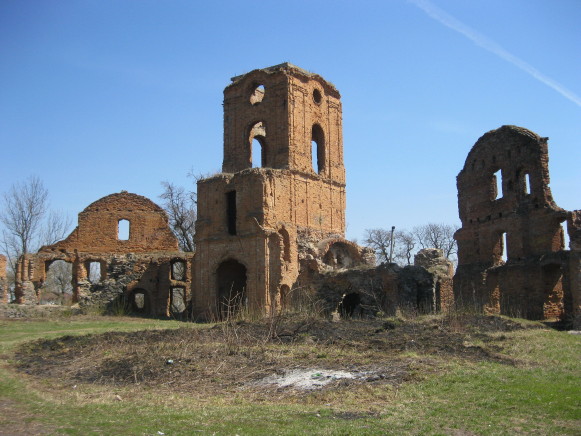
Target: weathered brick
[{"x": 537, "y": 280}]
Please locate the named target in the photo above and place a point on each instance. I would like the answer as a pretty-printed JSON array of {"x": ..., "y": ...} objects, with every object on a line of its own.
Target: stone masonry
[{"x": 139, "y": 270}]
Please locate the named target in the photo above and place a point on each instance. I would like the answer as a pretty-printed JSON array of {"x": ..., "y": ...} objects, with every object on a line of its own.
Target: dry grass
[
  {"x": 229, "y": 357},
  {"x": 456, "y": 373}
]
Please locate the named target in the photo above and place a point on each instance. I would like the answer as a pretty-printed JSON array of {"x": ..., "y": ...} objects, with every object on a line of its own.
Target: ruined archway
[
  {"x": 231, "y": 287},
  {"x": 339, "y": 254},
  {"x": 58, "y": 287},
  {"x": 350, "y": 305},
  {"x": 258, "y": 148}
]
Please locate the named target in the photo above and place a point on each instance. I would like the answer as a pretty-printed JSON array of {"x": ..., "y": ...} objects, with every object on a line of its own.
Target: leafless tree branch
[{"x": 180, "y": 206}]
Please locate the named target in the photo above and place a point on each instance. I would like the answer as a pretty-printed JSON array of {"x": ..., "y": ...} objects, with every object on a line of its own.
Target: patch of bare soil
[
  {"x": 17, "y": 420},
  {"x": 236, "y": 356}
]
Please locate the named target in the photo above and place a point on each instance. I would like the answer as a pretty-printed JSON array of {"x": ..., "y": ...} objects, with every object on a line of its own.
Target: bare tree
[
  {"x": 56, "y": 227},
  {"x": 440, "y": 236},
  {"x": 25, "y": 222},
  {"x": 404, "y": 247},
  {"x": 180, "y": 206},
  {"x": 379, "y": 240},
  {"x": 24, "y": 208}
]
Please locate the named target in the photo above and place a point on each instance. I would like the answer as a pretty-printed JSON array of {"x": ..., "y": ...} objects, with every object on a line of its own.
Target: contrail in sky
[{"x": 482, "y": 41}]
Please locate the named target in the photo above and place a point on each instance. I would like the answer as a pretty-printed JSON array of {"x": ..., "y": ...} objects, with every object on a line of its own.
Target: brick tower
[{"x": 254, "y": 223}]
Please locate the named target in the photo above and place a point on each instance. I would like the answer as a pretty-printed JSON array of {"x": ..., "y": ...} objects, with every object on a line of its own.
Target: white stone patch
[{"x": 306, "y": 378}]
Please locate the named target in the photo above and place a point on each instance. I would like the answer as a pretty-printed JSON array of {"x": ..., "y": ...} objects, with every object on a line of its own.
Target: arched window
[
  {"x": 258, "y": 146},
  {"x": 285, "y": 244},
  {"x": 318, "y": 148},
  {"x": 504, "y": 243},
  {"x": 257, "y": 93}
]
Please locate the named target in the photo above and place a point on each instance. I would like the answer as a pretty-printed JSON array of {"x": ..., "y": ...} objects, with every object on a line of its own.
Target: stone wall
[
  {"x": 506, "y": 206},
  {"x": 425, "y": 287},
  {"x": 144, "y": 272}
]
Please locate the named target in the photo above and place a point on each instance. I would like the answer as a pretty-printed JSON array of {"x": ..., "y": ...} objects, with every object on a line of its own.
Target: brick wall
[{"x": 504, "y": 199}]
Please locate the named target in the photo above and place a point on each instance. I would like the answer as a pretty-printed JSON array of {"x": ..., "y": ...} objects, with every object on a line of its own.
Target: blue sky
[{"x": 102, "y": 96}]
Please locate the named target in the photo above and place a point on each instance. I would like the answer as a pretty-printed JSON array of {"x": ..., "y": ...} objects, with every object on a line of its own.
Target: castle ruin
[
  {"x": 506, "y": 207},
  {"x": 269, "y": 233}
]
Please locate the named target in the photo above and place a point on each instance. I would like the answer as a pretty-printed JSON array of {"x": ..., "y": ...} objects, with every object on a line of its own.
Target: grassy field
[{"x": 451, "y": 376}]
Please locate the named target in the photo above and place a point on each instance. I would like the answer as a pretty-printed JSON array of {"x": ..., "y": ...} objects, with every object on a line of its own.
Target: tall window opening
[
  {"x": 177, "y": 300},
  {"x": 527, "y": 183},
  {"x": 318, "y": 149},
  {"x": 565, "y": 242},
  {"x": 497, "y": 183},
  {"x": 123, "y": 229},
  {"x": 285, "y": 244},
  {"x": 258, "y": 154},
  {"x": 178, "y": 270},
  {"x": 231, "y": 212},
  {"x": 258, "y": 145},
  {"x": 284, "y": 297},
  {"x": 504, "y": 247},
  {"x": 94, "y": 271}
]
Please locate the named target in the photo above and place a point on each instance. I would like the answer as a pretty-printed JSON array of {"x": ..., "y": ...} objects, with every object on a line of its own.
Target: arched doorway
[
  {"x": 350, "y": 305},
  {"x": 231, "y": 283}
]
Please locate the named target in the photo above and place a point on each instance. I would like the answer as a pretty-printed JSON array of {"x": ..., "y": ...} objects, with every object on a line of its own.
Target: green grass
[{"x": 541, "y": 394}]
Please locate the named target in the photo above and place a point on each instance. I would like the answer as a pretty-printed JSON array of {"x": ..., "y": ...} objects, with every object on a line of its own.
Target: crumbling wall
[
  {"x": 98, "y": 227},
  {"x": 442, "y": 272},
  {"x": 574, "y": 231},
  {"x": 288, "y": 102},
  {"x": 253, "y": 224},
  {"x": 4, "y": 291},
  {"x": 148, "y": 274},
  {"x": 425, "y": 287},
  {"x": 506, "y": 206},
  {"x": 141, "y": 265}
]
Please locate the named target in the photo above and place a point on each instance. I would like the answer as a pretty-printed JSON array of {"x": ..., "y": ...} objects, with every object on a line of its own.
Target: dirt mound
[{"x": 238, "y": 355}]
